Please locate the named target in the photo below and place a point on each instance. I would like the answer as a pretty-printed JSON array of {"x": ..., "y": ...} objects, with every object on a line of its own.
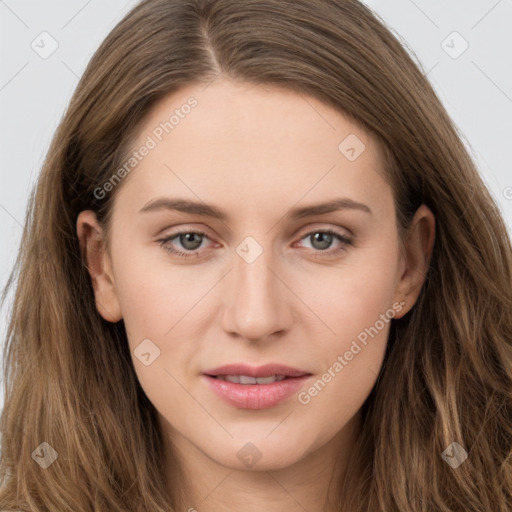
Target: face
[{"x": 220, "y": 254}]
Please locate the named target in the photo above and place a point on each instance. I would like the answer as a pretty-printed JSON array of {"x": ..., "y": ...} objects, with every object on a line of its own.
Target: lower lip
[{"x": 256, "y": 396}]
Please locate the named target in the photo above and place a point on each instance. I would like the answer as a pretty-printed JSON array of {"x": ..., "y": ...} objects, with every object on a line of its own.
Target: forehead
[{"x": 253, "y": 143}]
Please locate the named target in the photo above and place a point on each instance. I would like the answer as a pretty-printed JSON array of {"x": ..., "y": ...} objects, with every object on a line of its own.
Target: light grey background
[{"x": 475, "y": 86}]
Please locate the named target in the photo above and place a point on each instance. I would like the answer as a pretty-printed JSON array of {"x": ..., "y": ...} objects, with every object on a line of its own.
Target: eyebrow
[{"x": 206, "y": 210}]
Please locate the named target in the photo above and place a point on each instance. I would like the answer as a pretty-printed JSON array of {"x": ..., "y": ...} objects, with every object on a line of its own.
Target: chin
[{"x": 260, "y": 454}]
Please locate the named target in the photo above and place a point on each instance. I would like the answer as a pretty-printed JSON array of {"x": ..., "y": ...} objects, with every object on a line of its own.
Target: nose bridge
[{"x": 256, "y": 306}]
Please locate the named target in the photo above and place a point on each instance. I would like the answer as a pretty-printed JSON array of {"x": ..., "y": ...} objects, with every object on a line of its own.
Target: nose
[{"x": 258, "y": 304}]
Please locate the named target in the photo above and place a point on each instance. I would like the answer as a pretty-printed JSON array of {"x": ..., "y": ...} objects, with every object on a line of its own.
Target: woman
[{"x": 182, "y": 338}]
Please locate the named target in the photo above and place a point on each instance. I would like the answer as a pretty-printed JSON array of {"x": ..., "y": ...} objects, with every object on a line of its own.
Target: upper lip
[{"x": 266, "y": 370}]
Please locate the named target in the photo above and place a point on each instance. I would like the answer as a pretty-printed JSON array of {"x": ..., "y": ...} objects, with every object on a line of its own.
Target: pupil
[
  {"x": 189, "y": 238},
  {"x": 326, "y": 242}
]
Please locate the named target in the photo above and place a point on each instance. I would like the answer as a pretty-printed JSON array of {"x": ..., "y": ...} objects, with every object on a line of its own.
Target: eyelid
[
  {"x": 177, "y": 229},
  {"x": 318, "y": 226},
  {"x": 181, "y": 229}
]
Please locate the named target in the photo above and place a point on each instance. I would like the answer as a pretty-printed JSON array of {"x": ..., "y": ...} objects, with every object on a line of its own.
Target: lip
[
  {"x": 266, "y": 370},
  {"x": 256, "y": 396}
]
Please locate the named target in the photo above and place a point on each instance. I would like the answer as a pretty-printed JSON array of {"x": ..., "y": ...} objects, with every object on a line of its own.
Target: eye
[
  {"x": 322, "y": 240},
  {"x": 189, "y": 240}
]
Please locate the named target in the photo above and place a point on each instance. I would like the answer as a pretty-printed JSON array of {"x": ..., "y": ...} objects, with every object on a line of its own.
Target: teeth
[
  {"x": 266, "y": 380},
  {"x": 244, "y": 379}
]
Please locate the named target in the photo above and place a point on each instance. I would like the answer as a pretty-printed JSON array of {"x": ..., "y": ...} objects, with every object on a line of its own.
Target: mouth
[{"x": 261, "y": 387}]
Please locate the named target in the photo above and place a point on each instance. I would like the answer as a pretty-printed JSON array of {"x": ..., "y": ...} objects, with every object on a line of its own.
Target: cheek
[
  {"x": 356, "y": 303},
  {"x": 352, "y": 359},
  {"x": 153, "y": 293},
  {"x": 353, "y": 295}
]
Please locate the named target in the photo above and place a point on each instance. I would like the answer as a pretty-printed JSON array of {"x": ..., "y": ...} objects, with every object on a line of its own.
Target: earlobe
[
  {"x": 97, "y": 260},
  {"x": 417, "y": 253}
]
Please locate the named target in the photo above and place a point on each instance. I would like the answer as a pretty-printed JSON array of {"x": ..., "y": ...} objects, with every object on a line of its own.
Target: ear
[
  {"x": 94, "y": 253},
  {"x": 416, "y": 254}
]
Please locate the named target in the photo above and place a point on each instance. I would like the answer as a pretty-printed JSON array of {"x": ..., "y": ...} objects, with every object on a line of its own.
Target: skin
[{"x": 255, "y": 152}]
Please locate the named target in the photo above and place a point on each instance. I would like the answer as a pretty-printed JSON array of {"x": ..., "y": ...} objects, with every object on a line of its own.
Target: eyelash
[{"x": 181, "y": 254}]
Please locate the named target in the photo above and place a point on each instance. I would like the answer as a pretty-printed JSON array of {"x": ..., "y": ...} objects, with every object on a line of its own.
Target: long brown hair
[{"x": 447, "y": 374}]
